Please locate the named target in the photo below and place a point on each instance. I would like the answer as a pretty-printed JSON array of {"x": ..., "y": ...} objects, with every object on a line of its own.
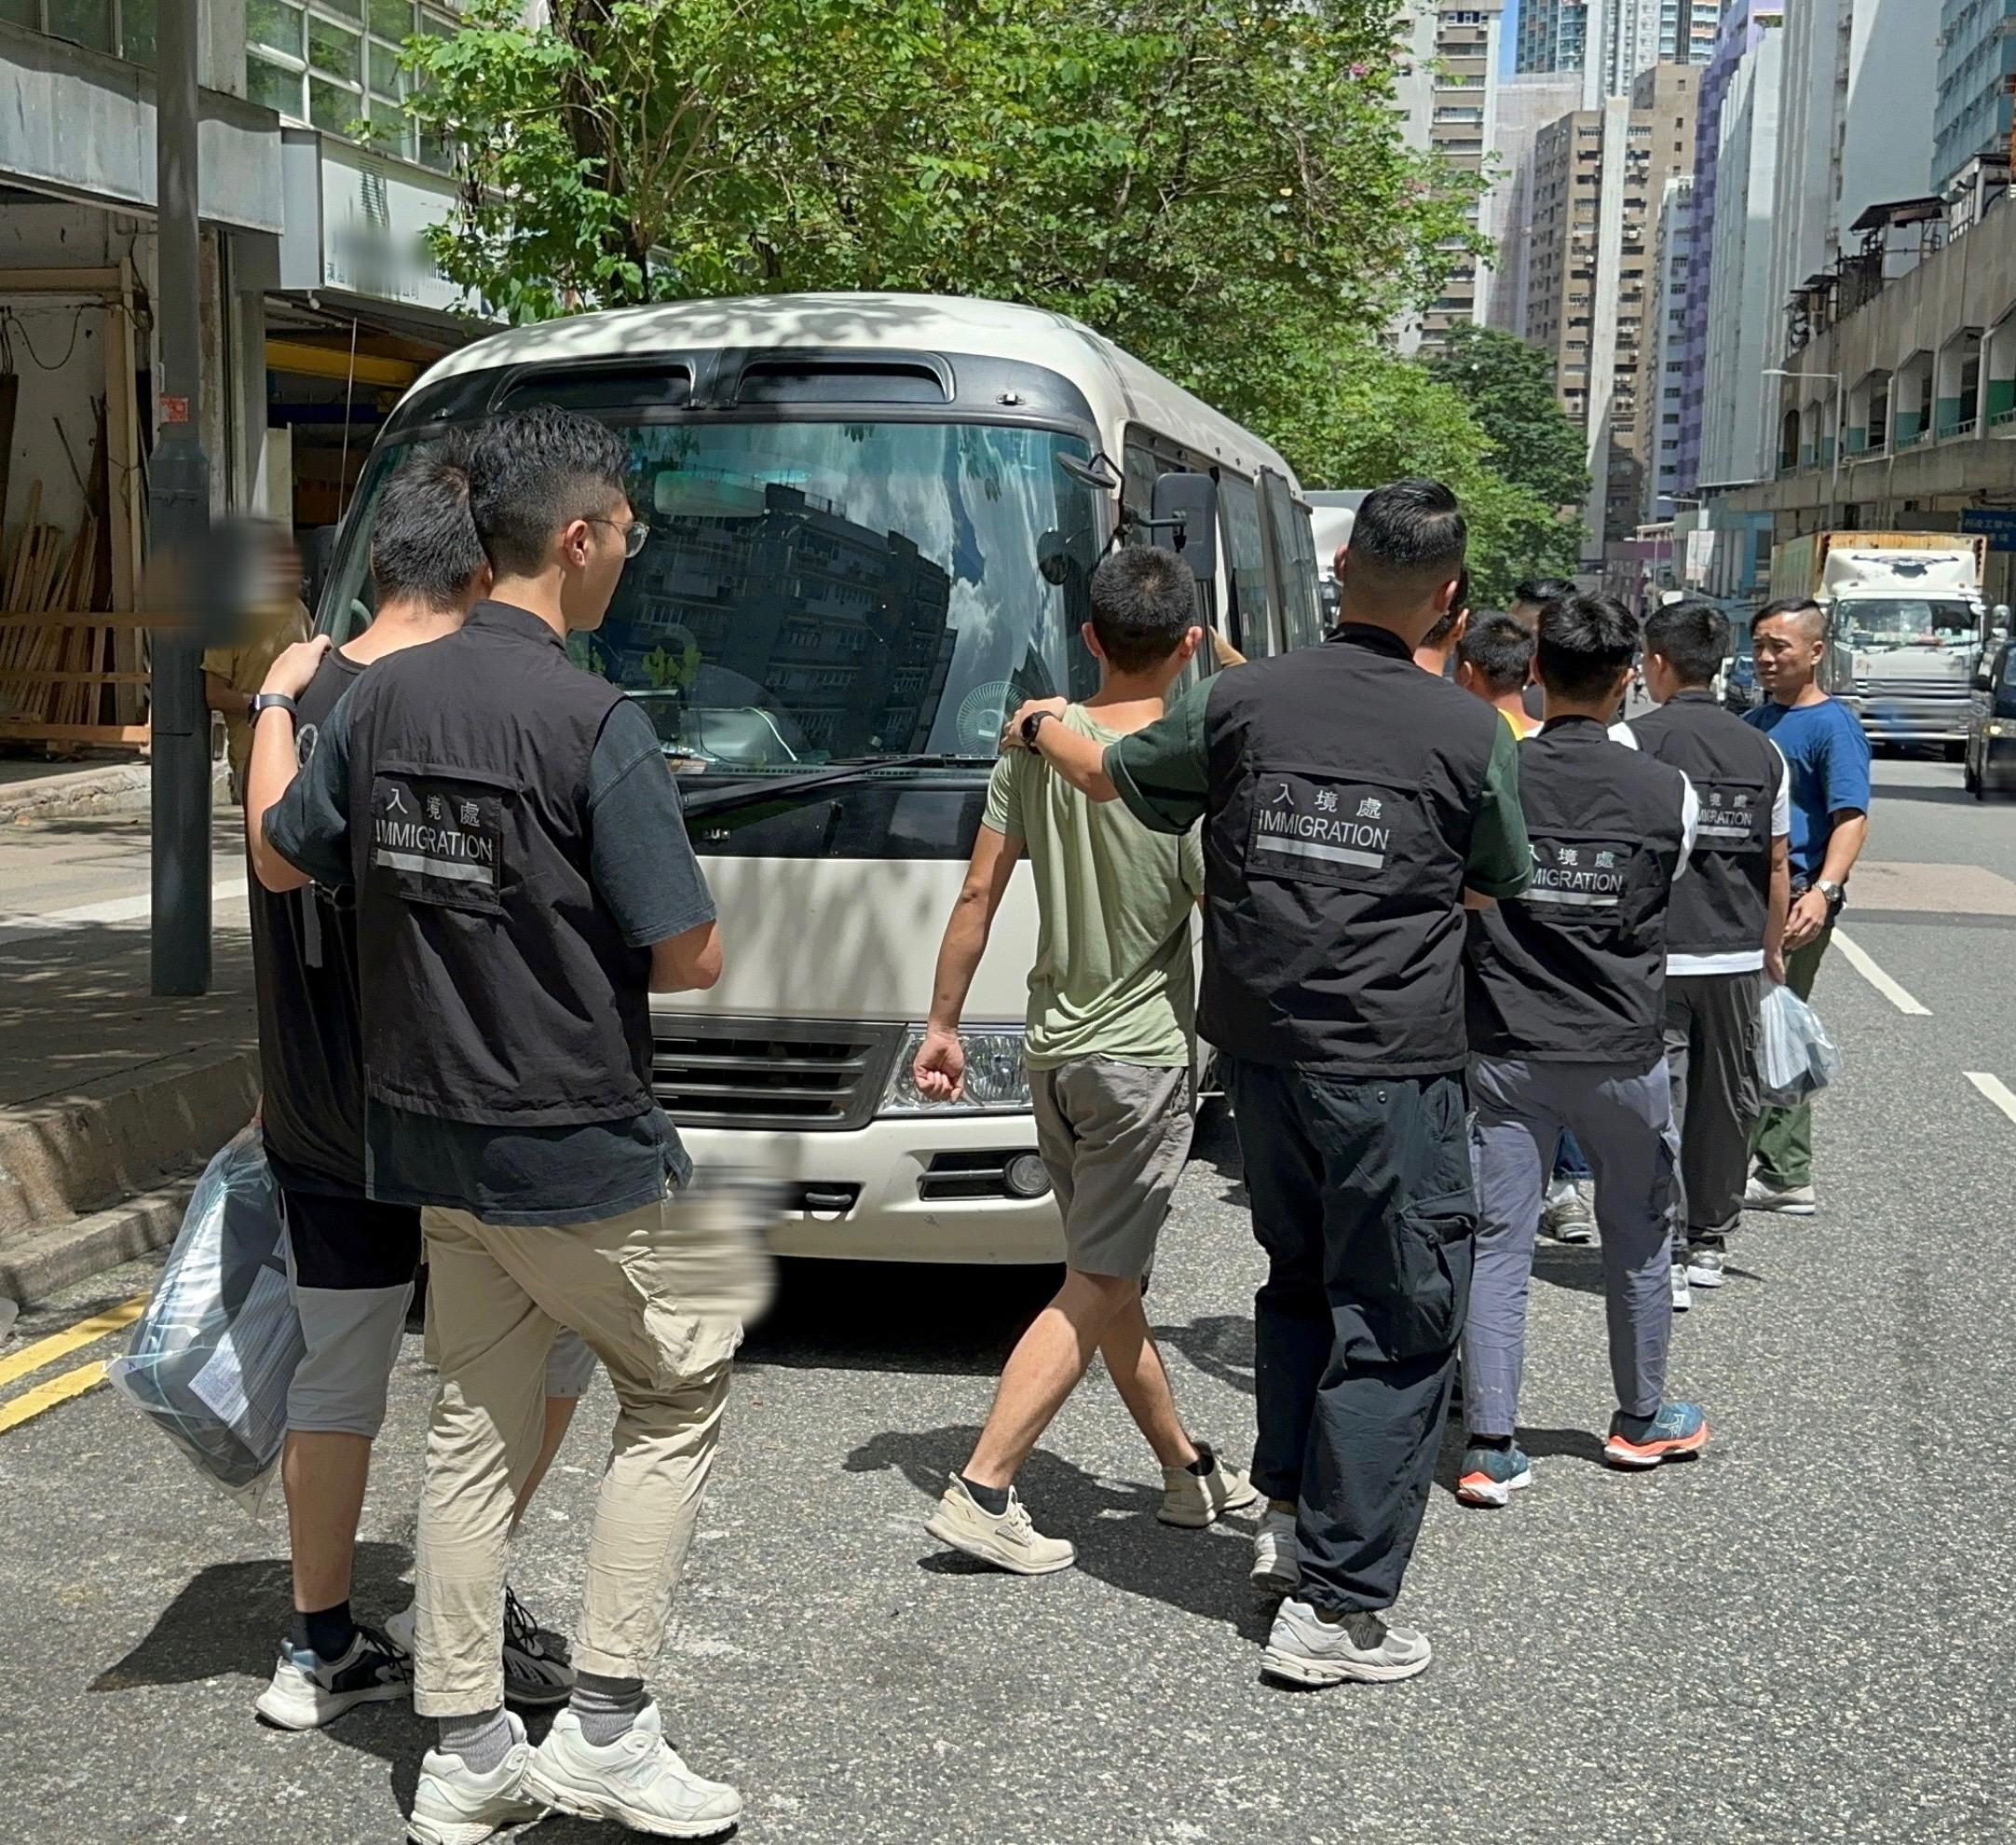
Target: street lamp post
[
  {"x": 1841, "y": 405},
  {"x": 178, "y": 517}
]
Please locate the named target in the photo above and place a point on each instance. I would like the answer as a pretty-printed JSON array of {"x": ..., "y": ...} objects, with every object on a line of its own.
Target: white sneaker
[
  {"x": 1788, "y": 1200},
  {"x": 1307, "y": 1649},
  {"x": 638, "y": 1779},
  {"x": 1682, "y": 1295},
  {"x": 1568, "y": 1212},
  {"x": 306, "y": 1691},
  {"x": 1194, "y": 1500},
  {"x": 1277, "y": 1558},
  {"x": 452, "y": 1807},
  {"x": 1705, "y": 1265},
  {"x": 1008, "y": 1540}
]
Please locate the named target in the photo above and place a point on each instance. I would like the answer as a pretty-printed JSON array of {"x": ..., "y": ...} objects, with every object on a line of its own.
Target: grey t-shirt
[{"x": 643, "y": 870}]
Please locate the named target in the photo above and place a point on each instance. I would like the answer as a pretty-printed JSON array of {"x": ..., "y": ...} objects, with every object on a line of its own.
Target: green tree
[
  {"x": 1510, "y": 388},
  {"x": 1220, "y": 185}
]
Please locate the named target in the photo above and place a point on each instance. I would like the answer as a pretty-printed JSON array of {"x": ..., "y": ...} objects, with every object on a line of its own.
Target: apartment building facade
[{"x": 1972, "y": 112}]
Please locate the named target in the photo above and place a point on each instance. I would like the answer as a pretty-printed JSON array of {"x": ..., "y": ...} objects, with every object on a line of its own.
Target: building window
[
  {"x": 119, "y": 28},
  {"x": 333, "y": 63}
]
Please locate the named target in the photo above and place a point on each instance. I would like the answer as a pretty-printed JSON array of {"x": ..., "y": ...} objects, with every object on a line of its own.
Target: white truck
[{"x": 1906, "y": 626}]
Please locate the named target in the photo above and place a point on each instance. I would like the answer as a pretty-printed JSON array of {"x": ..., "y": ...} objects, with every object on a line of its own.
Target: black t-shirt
[{"x": 310, "y": 1020}]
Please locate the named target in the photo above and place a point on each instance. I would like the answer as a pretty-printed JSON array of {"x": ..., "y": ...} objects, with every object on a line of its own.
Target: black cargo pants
[{"x": 1362, "y": 1199}]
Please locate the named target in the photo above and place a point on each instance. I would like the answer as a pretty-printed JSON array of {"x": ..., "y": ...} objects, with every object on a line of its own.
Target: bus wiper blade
[{"x": 759, "y": 788}]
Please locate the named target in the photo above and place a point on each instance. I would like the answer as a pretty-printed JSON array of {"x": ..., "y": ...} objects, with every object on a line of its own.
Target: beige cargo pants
[{"x": 500, "y": 1295}]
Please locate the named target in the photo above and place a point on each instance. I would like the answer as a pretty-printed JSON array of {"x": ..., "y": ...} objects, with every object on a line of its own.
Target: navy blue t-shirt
[{"x": 1827, "y": 753}]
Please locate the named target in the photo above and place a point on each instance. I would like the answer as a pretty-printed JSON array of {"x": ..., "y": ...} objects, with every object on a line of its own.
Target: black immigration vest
[
  {"x": 496, "y": 986},
  {"x": 1720, "y": 906},
  {"x": 1574, "y": 970},
  {"x": 1344, "y": 784}
]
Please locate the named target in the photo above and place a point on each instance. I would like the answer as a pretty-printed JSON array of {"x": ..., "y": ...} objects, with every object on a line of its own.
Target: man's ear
[
  {"x": 1193, "y": 639},
  {"x": 1445, "y": 597},
  {"x": 1090, "y": 636},
  {"x": 574, "y": 538}
]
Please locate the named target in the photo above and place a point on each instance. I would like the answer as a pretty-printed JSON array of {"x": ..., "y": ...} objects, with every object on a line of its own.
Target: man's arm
[
  {"x": 1500, "y": 861},
  {"x": 220, "y": 694},
  {"x": 1781, "y": 904},
  {"x": 940, "y": 1066},
  {"x": 1844, "y": 769},
  {"x": 296, "y": 821},
  {"x": 687, "y": 962}
]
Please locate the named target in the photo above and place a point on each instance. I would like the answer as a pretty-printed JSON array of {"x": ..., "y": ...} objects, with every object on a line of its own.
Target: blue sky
[{"x": 1505, "y": 39}]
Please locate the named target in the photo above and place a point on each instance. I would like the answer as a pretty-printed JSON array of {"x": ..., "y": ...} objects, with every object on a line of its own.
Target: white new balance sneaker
[
  {"x": 1787, "y": 1200},
  {"x": 1277, "y": 1558},
  {"x": 452, "y": 1807},
  {"x": 1307, "y": 1649},
  {"x": 1683, "y": 1293},
  {"x": 638, "y": 1779}
]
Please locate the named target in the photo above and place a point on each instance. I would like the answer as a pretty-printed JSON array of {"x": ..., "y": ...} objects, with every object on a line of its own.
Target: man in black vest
[
  {"x": 523, "y": 880},
  {"x": 1352, "y": 804},
  {"x": 1727, "y": 928},
  {"x": 1565, "y": 1033}
]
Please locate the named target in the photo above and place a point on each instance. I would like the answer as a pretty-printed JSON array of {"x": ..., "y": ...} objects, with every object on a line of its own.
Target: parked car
[
  {"x": 1990, "y": 735},
  {"x": 1739, "y": 688}
]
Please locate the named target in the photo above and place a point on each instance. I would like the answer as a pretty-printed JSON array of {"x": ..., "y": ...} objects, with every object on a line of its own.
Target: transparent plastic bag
[
  {"x": 212, "y": 1357},
  {"x": 1796, "y": 1057}
]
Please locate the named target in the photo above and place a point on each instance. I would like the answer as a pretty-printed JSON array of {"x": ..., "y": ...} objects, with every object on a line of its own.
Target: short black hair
[
  {"x": 422, "y": 542},
  {"x": 1691, "y": 636},
  {"x": 1144, "y": 601},
  {"x": 1537, "y": 592},
  {"x": 1410, "y": 529},
  {"x": 1585, "y": 642},
  {"x": 1790, "y": 604},
  {"x": 1500, "y": 650},
  {"x": 537, "y": 471}
]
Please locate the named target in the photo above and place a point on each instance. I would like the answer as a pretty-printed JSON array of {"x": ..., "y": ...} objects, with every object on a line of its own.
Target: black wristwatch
[
  {"x": 1033, "y": 723},
  {"x": 273, "y": 701}
]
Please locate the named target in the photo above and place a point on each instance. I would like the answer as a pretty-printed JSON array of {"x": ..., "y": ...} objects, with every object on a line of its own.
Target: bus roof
[{"x": 1118, "y": 385}]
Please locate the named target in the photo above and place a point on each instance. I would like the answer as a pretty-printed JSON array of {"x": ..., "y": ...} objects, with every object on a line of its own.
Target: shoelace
[
  {"x": 520, "y": 1629},
  {"x": 1016, "y": 1519}
]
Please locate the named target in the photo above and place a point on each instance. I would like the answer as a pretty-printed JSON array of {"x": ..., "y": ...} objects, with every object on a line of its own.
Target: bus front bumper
[{"x": 901, "y": 1189}]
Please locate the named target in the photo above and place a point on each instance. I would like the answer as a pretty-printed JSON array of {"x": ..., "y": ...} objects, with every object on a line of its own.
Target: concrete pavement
[{"x": 1805, "y": 1635}]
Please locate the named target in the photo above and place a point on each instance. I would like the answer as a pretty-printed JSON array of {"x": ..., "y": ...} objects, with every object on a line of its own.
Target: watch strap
[{"x": 266, "y": 701}]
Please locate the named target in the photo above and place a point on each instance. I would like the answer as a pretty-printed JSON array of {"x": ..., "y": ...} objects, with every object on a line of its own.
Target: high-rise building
[
  {"x": 1612, "y": 42},
  {"x": 1600, "y": 178},
  {"x": 1743, "y": 314},
  {"x": 1448, "y": 91},
  {"x": 1862, "y": 86},
  {"x": 1666, "y": 339},
  {"x": 1526, "y": 104},
  {"x": 1976, "y": 57},
  {"x": 1553, "y": 34},
  {"x": 1745, "y": 22}
]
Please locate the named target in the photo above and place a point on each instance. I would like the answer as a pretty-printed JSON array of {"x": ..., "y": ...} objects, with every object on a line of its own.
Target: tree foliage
[
  {"x": 1220, "y": 185},
  {"x": 1510, "y": 388}
]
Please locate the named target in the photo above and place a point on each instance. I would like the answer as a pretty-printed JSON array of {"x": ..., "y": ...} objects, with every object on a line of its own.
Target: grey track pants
[
  {"x": 1623, "y": 1117},
  {"x": 1711, "y": 1063}
]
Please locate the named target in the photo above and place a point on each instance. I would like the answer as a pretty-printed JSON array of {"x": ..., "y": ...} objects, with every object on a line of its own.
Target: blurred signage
[
  {"x": 1997, "y": 523},
  {"x": 1700, "y": 554}
]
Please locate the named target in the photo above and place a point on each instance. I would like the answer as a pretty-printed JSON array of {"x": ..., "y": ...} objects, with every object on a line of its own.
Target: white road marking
[
  {"x": 114, "y": 910},
  {"x": 1994, "y": 1089},
  {"x": 1860, "y": 960}
]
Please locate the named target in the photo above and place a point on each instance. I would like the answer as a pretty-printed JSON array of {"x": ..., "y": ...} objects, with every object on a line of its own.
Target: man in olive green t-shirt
[{"x": 1109, "y": 1048}]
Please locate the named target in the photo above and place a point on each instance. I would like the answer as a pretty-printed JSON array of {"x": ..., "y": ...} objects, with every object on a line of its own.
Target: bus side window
[
  {"x": 1137, "y": 488},
  {"x": 1251, "y": 627},
  {"x": 1294, "y": 552}
]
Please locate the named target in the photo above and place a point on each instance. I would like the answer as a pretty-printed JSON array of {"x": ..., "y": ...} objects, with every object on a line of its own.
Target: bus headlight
[{"x": 997, "y": 1080}]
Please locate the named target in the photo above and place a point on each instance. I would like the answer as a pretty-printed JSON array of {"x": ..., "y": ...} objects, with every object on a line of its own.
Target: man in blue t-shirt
[{"x": 1823, "y": 745}]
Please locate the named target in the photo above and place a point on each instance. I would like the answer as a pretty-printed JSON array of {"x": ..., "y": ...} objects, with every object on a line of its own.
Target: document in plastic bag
[{"x": 1796, "y": 1055}]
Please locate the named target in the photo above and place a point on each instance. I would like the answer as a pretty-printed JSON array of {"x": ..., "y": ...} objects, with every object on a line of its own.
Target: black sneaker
[
  {"x": 538, "y": 1669},
  {"x": 308, "y": 1691}
]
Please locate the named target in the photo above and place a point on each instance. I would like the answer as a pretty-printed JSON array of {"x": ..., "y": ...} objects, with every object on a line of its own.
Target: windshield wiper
[{"x": 761, "y": 788}]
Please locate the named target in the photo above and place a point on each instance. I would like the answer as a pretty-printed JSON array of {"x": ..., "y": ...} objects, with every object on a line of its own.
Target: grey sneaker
[
  {"x": 1307, "y": 1649},
  {"x": 1009, "y": 1541},
  {"x": 1682, "y": 1294},
  {"x": 1787, "y": 1200},
  {"x": 538, "y": 1672},
  {"x": 1568, "y": 1213},
  {"x": 452, "y": 1807},
  {"x": 1705, "y": 1264},
  {"x": 1194, "y": 1500},
  {"x": 1277, "y": 1558}
]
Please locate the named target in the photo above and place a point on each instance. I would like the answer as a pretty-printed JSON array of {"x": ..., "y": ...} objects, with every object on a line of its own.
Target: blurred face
[
  {"x": 592, "y": 553},
  {"x": 1788, "y": 652}
]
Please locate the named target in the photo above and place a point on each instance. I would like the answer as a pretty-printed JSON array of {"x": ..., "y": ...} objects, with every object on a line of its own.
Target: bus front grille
[{"x": 761, "y": 1073}]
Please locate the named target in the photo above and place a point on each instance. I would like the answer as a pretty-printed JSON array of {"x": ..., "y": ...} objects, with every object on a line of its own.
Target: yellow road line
[
  {"x": 60, "y": 1345},
  {"x": 58, "y": 1390}
]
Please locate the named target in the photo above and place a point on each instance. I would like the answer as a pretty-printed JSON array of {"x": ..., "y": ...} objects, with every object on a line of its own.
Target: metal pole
[{"x": 178, "y": 519}]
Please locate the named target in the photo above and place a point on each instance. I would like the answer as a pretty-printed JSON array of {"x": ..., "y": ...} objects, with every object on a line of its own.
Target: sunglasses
[{"x": 636, "y": 534}]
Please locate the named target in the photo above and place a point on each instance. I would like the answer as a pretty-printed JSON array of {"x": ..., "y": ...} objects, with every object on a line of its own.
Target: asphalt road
[{"x": 1805, "y": 1635}]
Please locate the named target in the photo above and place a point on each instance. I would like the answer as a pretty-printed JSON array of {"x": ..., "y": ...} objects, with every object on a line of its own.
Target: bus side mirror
[{"x": 1186, "y": 520}]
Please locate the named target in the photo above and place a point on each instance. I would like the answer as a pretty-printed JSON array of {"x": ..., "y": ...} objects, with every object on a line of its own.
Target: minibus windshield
[{"x": 816, "y": 592}]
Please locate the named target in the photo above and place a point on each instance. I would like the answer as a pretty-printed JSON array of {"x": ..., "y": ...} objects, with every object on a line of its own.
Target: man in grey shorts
[
  {"x": 1109, "y": 1048},
  {"x": 350, "y": 1258}
]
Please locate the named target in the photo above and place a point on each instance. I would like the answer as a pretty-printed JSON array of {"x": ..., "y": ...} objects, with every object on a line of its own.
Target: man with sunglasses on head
[{"x": 524, "y": 882}]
